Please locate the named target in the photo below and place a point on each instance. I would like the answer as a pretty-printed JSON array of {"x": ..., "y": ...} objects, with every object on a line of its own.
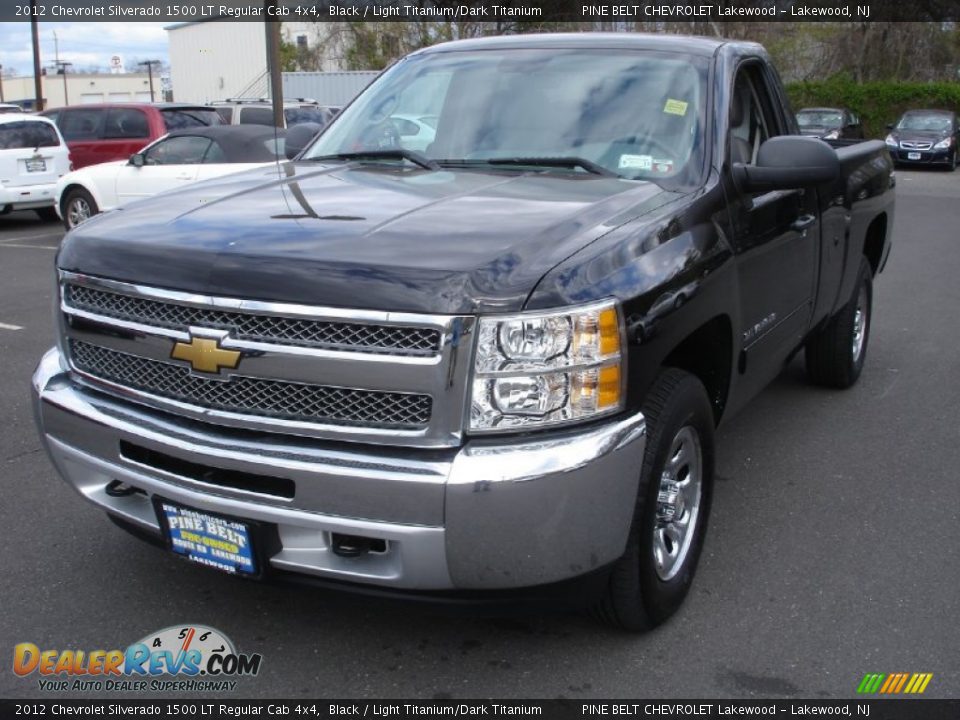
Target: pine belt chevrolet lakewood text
[{"x": 492, "y": 363}]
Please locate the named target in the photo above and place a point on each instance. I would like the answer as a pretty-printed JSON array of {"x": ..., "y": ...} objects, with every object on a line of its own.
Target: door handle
[{"x": 803, "y": 222}]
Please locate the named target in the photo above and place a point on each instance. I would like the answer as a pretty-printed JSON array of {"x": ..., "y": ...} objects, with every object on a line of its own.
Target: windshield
[
  {"x": 635, "y": 114},
  {"x": 918, "y": 121},
  {"x": 823, "y": 118}
]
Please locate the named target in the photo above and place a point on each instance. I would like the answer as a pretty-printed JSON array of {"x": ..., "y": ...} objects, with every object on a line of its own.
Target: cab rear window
[{"x": 27, "y": 134}]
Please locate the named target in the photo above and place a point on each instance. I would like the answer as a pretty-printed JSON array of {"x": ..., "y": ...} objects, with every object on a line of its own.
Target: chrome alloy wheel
[
  {"x": 78, "y": 211},
  {"x": 860, "y": 323},
  {"x": 678, "y": 503}
]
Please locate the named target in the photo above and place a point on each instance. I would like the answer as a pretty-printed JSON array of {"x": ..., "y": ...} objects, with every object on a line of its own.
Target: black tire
[
  {"x": 637, "y": 597},
  {"x": 47, "y": 214},
  {"x": 832, "y": 358},
  {"x": 73, "y": 207},
  {"x": 953, "y": 161}
]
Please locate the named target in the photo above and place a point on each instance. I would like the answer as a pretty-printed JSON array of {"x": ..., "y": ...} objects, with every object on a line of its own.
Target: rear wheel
[
  {"x": 78, "y": 207},
  {"x": 953, "y": 161},
  {"x": 649, "y": 583},
  {"x": 836, "y": 353}
]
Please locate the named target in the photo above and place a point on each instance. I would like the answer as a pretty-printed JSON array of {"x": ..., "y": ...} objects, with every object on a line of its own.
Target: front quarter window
[{"x": 637, "y": 114}]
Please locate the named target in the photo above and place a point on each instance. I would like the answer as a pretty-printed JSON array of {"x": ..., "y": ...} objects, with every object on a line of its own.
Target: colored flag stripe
[
  {"x": 890, "y": 680},
  {"x": 862, "y": 687},
  {"x": 912, "y": 684},
  {"x": 926, "y": 681},
  {"x": 878, "y": 679},
  {"x": 903, "y": 679}
]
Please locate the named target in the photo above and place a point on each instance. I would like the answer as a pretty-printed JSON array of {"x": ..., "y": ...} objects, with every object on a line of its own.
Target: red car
[{"x": 99, "y": 133}]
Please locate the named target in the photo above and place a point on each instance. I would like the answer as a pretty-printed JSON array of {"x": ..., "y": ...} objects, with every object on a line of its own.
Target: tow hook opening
[
  {"x": 117, "y": 488},
  {"x": 352, "y": 546}
]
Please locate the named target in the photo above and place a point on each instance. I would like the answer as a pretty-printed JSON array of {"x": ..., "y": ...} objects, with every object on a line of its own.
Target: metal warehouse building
[{"x": 216, "y": 60}]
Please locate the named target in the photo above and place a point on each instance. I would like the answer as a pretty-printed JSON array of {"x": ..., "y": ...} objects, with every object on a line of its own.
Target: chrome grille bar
[{"x": 304, "y": 332}]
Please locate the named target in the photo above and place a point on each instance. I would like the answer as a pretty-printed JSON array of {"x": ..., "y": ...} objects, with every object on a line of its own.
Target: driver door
[
  {"x": 168, "y": 163},
  {"x": 776, "y": 237}
]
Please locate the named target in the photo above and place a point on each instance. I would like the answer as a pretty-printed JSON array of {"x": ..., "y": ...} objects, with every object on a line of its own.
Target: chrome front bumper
[{"x": 492, "y": 514}]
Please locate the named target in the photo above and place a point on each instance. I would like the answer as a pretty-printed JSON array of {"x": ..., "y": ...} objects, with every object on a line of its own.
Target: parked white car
[
  {"x": 416, "y": 131},
  {"x": 176, "y": 159},
  {"x": 33, "y": 157}
]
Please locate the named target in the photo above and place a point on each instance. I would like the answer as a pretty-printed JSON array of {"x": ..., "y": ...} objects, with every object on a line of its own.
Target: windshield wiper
[
  {"x": 559, "y": 162},
  {"x": 388, "y": 154}
]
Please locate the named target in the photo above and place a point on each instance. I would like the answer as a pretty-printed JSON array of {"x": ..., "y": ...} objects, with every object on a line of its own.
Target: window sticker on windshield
[
  {"x": 675, "y": 107},
  {"x": 636, "y": 162},
  {"x": 663, "y": 166}
]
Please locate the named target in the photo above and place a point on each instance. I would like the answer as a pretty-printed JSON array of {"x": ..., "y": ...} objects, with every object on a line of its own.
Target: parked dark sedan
[
  {"x": 830, "y": 123},
  {"x": 925, "y": 137}
]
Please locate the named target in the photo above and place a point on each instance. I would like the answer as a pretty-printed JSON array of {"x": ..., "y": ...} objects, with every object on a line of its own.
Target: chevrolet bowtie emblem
[{"x": 205, "y": 355}]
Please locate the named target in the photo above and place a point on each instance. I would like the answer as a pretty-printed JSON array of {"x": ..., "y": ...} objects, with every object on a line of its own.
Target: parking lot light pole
[{"x": 149, "y": 64}]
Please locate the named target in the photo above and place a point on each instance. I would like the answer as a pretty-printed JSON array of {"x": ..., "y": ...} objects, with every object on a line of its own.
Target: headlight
[
  {"x": 944, "y": 144},
  {"x": 832, "y": 135},
  {"x": 543, "y": 368},
  {"x": 891, "y": 141}
]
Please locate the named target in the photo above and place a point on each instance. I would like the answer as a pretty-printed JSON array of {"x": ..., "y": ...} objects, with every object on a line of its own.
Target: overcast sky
[{"x": 82, "y": 43}]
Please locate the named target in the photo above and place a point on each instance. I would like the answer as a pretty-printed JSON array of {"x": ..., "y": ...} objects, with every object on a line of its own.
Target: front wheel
[
  {"x": 649, "y": 583},
  {"x": 835, "y": 354},
  {"x": 78, "y": 207}
]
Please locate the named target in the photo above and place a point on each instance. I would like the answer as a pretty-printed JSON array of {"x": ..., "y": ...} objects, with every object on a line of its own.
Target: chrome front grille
[
  {"x": 355, "y": 375},
  {"x": 254, "y": 396},
  {"x": 303, "y": 332},
  {"x": 916, "y": 145}
]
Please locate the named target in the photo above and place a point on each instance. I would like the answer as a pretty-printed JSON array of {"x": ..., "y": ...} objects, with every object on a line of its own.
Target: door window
[
  {"x": 752, "y": 119},
  {"x": 126, "y": 123},
  {"x": 183, "y": 150},
  {"x": 82, "y": 124}
]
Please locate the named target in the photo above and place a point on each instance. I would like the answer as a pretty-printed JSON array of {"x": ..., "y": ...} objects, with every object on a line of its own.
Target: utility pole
[
  {"x": 62, "y": 67},
  {"x": 35, "y": 32},
  {"x": 1, "y": 83},
  {"x": 272, "y": 29},
  {"x": 149, "y": 64}
]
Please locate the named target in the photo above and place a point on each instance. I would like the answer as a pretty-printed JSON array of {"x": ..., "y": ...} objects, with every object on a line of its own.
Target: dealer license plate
[
  {"x": 209, "y": 540},
  {"x": 913, "y": 156},
  {"x": 36, "y": 165}
]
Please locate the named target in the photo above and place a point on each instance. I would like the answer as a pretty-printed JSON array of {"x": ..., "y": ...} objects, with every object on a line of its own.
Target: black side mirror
[
  {"x": 299, "y": 136},
  {"x": 889, "y": 126},
  {"x": 137, "y": 160},
  {"x": 788, "y": 162}
]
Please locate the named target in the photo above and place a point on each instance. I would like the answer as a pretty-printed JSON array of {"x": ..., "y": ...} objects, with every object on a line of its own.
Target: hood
[
  {"x": 360, "y": 236},
  {"x": 920, "y": 135}
]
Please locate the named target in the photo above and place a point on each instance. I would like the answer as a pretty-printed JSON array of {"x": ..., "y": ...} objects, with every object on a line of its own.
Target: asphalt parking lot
[{"x": 833, "y": 551}]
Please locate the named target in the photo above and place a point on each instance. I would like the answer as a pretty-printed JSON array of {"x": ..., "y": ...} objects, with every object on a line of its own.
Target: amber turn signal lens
[
  {"x": 609, "y": 327},
  {"x": 609, "y": 387}
]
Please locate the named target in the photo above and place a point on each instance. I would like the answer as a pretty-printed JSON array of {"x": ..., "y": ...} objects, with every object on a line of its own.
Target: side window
[
  {"x": 255, "y": 115},
  {"x": 182, "y": 150},
  {"x": 214, "y": 154},
  {"x": 226, "y": 113},
  {"x": 82, "y": 124},
  {"x": 126, "y": 123},
  {"x": 752, "y": 118}
]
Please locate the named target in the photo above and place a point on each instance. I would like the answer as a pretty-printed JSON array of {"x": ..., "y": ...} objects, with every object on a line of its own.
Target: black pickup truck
[{"x": 491, "y": 361}]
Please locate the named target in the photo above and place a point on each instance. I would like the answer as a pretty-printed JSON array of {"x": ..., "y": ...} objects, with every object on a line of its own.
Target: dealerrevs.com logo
[{"x": 199, "y": 657}]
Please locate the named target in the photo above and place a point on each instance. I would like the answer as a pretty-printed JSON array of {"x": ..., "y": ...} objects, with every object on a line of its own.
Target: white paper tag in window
[{"x": 636, "y": 162}]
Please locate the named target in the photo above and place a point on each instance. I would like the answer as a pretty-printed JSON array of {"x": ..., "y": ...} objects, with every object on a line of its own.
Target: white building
[
  {"x": 83, "y": 88},
  {"x": 214, "y": 60}
]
